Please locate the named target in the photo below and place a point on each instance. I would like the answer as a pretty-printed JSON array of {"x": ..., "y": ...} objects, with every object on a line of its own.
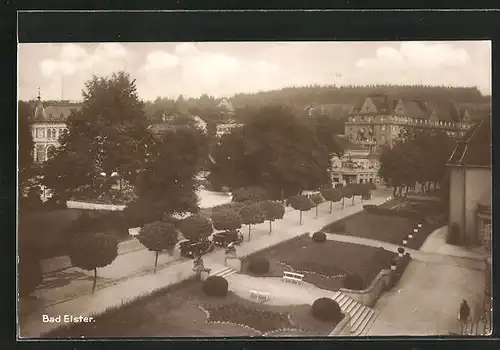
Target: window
[
  {"x": 39, "y": 133},
  {"x": 382, "y": 119},
  {"x": 382, "y": 128},
  {"x": 49, "y": 134},
  {"x": 40, "y": 154},
  {"x": 54, "y": 133}
]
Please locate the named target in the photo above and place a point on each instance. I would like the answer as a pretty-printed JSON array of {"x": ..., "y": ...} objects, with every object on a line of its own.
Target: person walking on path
[{"x": 463, "y": 315}]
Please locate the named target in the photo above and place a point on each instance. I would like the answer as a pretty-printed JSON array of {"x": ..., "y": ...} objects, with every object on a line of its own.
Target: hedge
[
  {"x": 402, "y": 264},
  {"x": 259, "y": 266}
]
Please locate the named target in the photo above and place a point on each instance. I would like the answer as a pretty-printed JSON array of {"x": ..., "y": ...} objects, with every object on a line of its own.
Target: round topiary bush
[
  {"x": 401, "y": 250},
  {"x": 215, "y": 286},
  {"x": 354, "y": 282},
  {"x": 326, "y": 309},
  {"x": 319, "y": 237},
  {"x": 259, "y": 266}
]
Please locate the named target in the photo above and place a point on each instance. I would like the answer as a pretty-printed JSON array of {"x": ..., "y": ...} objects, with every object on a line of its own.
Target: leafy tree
[
  {"x": 107, "y": 135},
  {"x": 301, "y": 203},
  {"x": 274, "y": 150},
  {"x": 232, "y": 206},
  {"x": 196, "y": 228},
  {"x": 331, "y": 195},
  {"x": 346, "y": 193},
  {"x": 272, "y": 210},
  {"x": 158, "y": 236},
  {"x": 253, "y": 193},
  {"x": 167, "y": 184},
  {"x": 317, "y": 199},
  {"x": 227, "y": 220},
  {"x": 251, "y": 214},
  {"x": 26, "y": 146},
  {"x": 90, "y": 251}
]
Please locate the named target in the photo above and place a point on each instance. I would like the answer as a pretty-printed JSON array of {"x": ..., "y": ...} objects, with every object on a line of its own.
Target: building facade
[
  {"x": 470, "y": 169},
  {"x": 358, "y": 164},
  {"x": 47, "y": 125},
  {"x": 380, "y": 119}
]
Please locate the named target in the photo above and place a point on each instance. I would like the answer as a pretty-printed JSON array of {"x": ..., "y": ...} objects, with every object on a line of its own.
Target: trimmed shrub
[
  {"x": 215, "y": 286},
  {"x": 401, "y": 250},
  {"x": 326, "y": 309},
  {"x": 401, "y": 266},
  {"x": 370, "y": 208},
  {"x": 259, "y": 266},
  {"x": 354, "y": 282},
  {"x": 319, "y": 237}
]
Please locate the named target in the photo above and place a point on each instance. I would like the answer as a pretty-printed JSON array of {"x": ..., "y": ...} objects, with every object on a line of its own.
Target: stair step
[
  {"x": 355, "y": 311},
  {"x": 351, "y": 307},
  {"x": 355, "y": 316},
  {"x": 361, "y": 317},
  {"x": 340, "y": 298},
  {"x": 348, "y": 304},
  {"x": 363, "y": 322},
  {"x": 344, "y": 302},
  {"x": 370, "y": 323}
]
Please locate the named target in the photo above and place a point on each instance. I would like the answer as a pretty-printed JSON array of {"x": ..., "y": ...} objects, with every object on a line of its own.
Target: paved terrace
[{"x": 130, "y": 274}]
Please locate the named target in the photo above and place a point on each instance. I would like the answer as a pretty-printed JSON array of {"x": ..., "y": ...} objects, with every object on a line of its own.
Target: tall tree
[
  {"x": 107, "y": 135},
  {"x": 158, "y": 236},
  {"x": 167, "y": 184},
  {"x": 274, "y": 150}
]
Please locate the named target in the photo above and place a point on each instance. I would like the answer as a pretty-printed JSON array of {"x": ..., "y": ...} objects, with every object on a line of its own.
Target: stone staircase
[
  {"x": 362, "y": 316},
  {"x": 476, "y": 328},
  {"x": 224, "y": 272}
]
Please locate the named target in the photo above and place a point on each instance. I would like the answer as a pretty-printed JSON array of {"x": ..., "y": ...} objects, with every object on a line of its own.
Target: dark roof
[
  {"x": 346, "y": 144},
  {"x": 475, "y": 148},
  {"x": 55, "y": 112},
  {"x": 414, "y": 108}
]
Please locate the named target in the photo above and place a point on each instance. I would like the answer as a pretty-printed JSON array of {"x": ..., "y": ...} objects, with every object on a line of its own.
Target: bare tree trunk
[
  {"x": 353, "y": 199},
  {"x": 331, "y": 206},
  {"x": 270, "y": 227},
  {"x": 156, "y": 262},
  {"x": 95, "y": 279},
  {"x": 249, "y": 230},
  {"x": 300, "y": 222},
  {"x": 343, "y": 198},
  {"x": 317, "y": 210}
]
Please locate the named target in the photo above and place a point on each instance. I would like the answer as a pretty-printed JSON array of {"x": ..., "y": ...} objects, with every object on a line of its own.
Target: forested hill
[{"x": 351, "y": 95}]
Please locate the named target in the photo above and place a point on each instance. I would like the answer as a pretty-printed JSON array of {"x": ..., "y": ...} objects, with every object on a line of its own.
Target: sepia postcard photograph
[{"x": 254, "y": 189}]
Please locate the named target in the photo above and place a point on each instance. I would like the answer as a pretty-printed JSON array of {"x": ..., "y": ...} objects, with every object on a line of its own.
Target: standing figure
[{"x": 464, "y": 314}]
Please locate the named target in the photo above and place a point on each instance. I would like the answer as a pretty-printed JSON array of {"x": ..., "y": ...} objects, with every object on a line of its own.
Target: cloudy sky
[{"x": 223, "y": 69}]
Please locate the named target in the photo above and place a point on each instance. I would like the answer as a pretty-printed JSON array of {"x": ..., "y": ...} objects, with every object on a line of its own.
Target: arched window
[
  {"x": 54, "y": 133},
  {"x": 50, "y": 150},
  {"x": 49, "y": 133},
  {"x": 40, "y": 153}
]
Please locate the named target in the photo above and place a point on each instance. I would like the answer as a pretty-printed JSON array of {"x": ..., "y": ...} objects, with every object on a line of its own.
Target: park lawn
[
  {"x": 177, "y": 313},
  {"x": 391, "y": 229},
  {"x": 323, "y": 264}
]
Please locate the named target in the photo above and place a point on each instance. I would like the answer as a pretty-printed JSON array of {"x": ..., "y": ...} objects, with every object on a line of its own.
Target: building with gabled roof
[
  {"x": 226, "y": 108},
  {"x": 379, "y": 119},
  {"x": 48, "y": 123},
  {"x": 356, "y": 165},
  {"x": 470, "y": 169}
]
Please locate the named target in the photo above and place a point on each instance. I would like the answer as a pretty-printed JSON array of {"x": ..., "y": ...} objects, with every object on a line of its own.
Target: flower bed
[{"x": 184, "y": 310}]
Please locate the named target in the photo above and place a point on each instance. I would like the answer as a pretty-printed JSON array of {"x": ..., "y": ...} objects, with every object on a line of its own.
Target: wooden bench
[
  {"x": 259, "y": 295},
  {"x": 292, "y": 277}
]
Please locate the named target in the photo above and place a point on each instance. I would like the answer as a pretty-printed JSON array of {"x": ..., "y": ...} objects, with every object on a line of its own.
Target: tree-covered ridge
[{"x": 316, "y": 94}]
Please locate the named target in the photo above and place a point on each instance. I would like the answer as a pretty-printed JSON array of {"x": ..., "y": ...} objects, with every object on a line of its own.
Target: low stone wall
[
  {"x": 385, "y": 280},
  {"x": 342, "y": 328},
  {"x": 94, "y": 206},
  {"x": 370, "y": 295}
]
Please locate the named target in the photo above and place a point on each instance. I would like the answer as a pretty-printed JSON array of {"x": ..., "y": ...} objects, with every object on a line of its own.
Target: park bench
[
  {"x": 259, "y": 295},
  {"x": 292, "y": 277}
]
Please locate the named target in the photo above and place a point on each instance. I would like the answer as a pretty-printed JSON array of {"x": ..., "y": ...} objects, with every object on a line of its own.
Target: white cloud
[
  {"x": 158, "y": 60},
  {"x": 74, "y": 59},
  {"x": 416, "y": 55},
  {"x": 197, "y": 71}
]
